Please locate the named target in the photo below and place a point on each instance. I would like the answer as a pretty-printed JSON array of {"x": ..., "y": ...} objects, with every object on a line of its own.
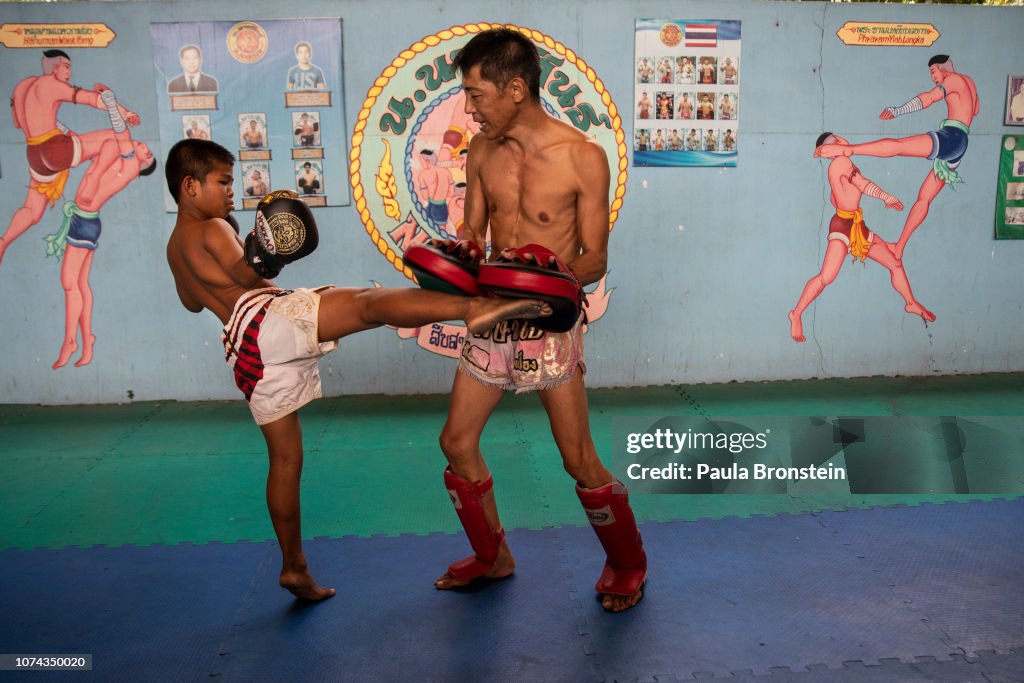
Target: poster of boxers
[
  {"x": 269, "y": 91},
  {"x": 686, "y": 102}
]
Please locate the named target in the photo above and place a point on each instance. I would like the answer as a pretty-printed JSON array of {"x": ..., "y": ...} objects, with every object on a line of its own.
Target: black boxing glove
[
  {"x": 264, "y": 263},
  {"x": 285, "y": 231}
]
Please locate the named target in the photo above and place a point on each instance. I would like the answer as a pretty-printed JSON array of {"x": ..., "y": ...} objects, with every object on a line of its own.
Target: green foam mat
[{"x": 169, "y": 472}]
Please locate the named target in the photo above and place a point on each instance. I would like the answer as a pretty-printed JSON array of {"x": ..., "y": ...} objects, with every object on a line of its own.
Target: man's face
[
  {"x": 937, "y": 73},
  {"x": 492, "y": 108},
  {"x": 302, "y": 53},
  {"x": 143, "y": 153},
  {"x": 191, "y": 61},
  {"x": 63, "y": 70},
  {"x": 252, "y": 126}
]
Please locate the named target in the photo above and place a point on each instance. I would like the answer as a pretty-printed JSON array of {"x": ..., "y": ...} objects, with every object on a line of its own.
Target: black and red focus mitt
[
  {"x": 535, "y": 272},
  {"x": 446, "y": 265}
]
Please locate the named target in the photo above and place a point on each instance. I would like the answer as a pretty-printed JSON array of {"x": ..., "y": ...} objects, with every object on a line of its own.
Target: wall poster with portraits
[
  {"x": 269, "y": 91},
  {"x": 1010, "y": 189},
  {"x": 686, "y": 103}
]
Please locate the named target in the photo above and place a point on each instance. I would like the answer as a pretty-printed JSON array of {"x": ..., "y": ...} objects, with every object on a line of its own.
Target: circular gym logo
[
  {"x": 409, "y": 147},
  {"x": 247, "y": 42}
]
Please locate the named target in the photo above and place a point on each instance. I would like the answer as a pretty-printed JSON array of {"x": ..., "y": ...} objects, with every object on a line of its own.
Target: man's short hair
[
  {"x": 502, "y": 54},
  {"x": 51, "y": 58},
  {"x": 186, "y": 48},
  {"x": 938, "y": 59},
  {"x": 149, "y": 169},
  {"x": 193, "y": 158}
]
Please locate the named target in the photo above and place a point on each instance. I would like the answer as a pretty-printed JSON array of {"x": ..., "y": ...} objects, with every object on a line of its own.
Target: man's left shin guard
[{"x": 609, "y": 513}]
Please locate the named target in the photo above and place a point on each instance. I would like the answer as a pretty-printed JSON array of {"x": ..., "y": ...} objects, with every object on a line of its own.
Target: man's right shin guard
[{"x": 467, "y": 497}]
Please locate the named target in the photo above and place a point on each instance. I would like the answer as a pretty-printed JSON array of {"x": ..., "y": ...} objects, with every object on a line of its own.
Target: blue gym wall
[{"x": 705, "y": 262}]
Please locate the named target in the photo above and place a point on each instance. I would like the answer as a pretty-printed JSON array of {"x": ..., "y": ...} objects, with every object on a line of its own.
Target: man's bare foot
[
  {"x": 66, "y": 349},
  {"x": 483, "y": 314},
  {"x": 796, "y": 327},
  {"x": 503, "y": 566},
  {"x": 917, "y": 309},
  {"x": 620, "y": 603},
  {"x": 833, "y": 151},
  {"x": 87, "y": 344},
  {"x": 302, "y": 586}
]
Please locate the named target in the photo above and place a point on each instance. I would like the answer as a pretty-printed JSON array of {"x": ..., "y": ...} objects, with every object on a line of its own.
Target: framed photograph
[
  {"x": 1015, "y": 101},
  {"x": 196, "y": 126}
]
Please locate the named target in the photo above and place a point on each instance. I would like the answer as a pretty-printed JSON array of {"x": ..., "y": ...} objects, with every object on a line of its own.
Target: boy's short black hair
[
  {"x": 195, "y": 158},
  {"x": 502, "y": 55}
]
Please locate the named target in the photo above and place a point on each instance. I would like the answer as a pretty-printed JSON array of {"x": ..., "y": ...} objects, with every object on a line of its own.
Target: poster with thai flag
[{"x": 687, "y": 92}]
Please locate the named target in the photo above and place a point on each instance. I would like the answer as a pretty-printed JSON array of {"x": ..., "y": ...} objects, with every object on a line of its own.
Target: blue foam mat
[{"x": 906, "y": 591}]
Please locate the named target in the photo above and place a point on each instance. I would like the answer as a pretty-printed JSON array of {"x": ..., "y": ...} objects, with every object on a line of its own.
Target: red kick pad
[
  {"x": 438, "y": 270},
  {"x": 527, "y": 281}
]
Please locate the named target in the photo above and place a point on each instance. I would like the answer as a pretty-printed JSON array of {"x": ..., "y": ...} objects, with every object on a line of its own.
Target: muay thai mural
[
  {"x": 113, "y": 160},
  {"x": 410, "y": 143},
  {"x": 848, "y": 232}
]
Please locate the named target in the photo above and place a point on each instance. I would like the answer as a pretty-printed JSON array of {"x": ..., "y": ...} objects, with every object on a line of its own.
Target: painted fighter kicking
[
  {"x": 52, "y": 149},
  {"x": 946, "y": 146},
  {"x": 847, "y": 234}
]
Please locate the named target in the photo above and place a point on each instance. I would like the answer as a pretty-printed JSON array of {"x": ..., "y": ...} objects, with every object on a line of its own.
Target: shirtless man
[
  {"x": 946, "y": 146},
  {"x": 706, "y": 108},
  {"x": 725, "y": 107},
  {"x": 253, "y": 136},
  {"x": 729, "y": 71},
  {"x": 257, "y": 186},
  {"x": 120, "y": 161},
  {"x": 675, "y": 143},
  {"x": 273, "y": 337},
  {"x": 707, "y": 71},
  {"x": 306, "y": 130},
  {"x": 693, "y": 140},
  {"x": 849, "y": 235},
  {"x": 644, "y": 106},
  {"x": 535, "y": 180},
  {"x": 309, "y": 180},
  {"x": 52, "y": 148},
  {"x": 659, "y": 140},
  {"x": 685, "y": 106},
  {"x": 195, "y": 132},
  {"x": 433, "y": 186}
]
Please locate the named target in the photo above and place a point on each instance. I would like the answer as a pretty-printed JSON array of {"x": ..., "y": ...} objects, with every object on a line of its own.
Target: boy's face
[{"x": 213, "y": 196}]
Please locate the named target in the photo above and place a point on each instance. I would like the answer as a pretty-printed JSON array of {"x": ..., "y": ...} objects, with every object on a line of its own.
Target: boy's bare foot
[
  {"x": 302, "y": 586},
  {"x": 483, "y": 314},
  {"x": 796, "y": 329},
  {"x": 620, "y": 603},
  {"x": 917, "y": 309},
  {"x": 86, "y": 357},
  {"x": 67, "y": 348},
  {"x": 504, "y": 566}
]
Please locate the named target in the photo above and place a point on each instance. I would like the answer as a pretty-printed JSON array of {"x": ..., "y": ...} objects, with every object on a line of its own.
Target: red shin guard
[
  {"x": 467, "y": 497},
  {"x": 611, "y": 516}
]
